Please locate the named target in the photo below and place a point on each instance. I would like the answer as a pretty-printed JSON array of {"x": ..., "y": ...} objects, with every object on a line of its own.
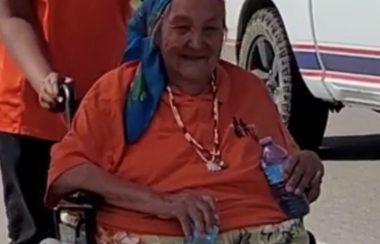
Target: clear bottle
[
  {"x": 273, "y": 161},
  {"x": 208, "y": 238}
]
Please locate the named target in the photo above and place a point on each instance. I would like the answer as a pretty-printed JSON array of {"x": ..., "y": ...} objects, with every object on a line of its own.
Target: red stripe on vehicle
[
  {"x": 341, "y": 76},
  {"x": 342, "y": 49}
]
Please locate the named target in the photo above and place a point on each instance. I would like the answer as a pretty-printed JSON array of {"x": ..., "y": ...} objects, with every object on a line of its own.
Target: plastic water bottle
[
  {"x": 208, "y": 238},
  {"x": 273, "y": 161}
]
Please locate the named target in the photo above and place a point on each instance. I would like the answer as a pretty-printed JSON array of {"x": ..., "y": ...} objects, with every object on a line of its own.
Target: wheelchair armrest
[
  {"x": 75, "y": 217},
  {"x": 84, "y": 198}
]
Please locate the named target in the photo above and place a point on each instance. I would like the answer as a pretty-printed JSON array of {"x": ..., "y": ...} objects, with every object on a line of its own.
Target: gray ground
[
  {"x": 348, "y": 211},
  {"x": 348, "y": 214}
]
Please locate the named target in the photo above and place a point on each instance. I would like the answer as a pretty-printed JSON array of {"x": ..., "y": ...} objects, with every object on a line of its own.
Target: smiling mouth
[{"x": 193, "y": 57}]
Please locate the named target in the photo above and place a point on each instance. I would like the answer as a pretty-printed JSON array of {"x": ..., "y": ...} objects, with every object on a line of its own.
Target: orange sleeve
[
  {"x": 96, "y": 134},
  {"x": 282, "y": 134},
  {"x": 290, "y": 145}
]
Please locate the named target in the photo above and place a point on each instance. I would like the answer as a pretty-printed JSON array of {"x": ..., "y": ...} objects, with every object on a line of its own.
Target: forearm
[
  {"x": 22, "y": 41},
  {"x": 115, "y": 191}
]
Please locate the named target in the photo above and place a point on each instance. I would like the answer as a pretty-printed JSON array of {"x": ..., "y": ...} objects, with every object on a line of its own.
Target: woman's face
[{"x": 191, "y": 38}]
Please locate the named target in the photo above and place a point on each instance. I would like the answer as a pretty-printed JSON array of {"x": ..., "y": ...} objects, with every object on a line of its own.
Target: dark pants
[{"x": 24, "y": 167}]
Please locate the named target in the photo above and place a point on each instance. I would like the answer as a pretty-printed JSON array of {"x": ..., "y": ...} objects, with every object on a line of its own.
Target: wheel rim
[{"x": 263, "y": 62}]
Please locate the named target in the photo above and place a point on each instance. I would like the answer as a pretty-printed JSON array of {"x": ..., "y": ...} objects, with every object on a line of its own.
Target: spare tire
[{"x": 267, "y": 53}]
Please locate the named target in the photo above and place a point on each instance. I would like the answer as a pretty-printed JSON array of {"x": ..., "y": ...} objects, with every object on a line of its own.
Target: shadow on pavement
[{"x": 362, "y": 147}]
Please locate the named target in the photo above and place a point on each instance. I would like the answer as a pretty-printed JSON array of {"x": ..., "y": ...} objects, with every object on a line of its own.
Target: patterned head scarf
[{"x": 149, "y": 81}]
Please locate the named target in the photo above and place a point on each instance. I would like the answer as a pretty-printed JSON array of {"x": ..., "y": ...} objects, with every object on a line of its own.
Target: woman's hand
[
  {"x": 191, "y": 209},
  {"x": 48, "y": 92},
  {"x": 304, "y": 174}
]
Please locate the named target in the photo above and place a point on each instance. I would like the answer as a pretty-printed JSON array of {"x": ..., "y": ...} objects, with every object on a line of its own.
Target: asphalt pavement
[{"x": 348, "y": 211}]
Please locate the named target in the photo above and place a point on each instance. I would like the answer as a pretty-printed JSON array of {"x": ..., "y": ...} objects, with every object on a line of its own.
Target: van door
[{"x": 348, "y": 40}]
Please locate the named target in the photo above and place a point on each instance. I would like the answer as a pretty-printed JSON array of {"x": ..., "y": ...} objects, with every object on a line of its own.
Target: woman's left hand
[{"x": 304, "y": 174}]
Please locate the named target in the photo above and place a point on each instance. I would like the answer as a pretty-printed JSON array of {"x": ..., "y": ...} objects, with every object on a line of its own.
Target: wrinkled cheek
[
  {"x": 172, "y": 47},
  {"x": 215, "y": 48},
  {"x": 213, "y": 61},
  {"x": 169, "y": 53}
]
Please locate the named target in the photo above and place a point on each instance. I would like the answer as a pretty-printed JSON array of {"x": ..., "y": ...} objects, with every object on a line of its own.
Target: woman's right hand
[
  {"x": 191, "y": 210},
  {"x": 48, "y": 92}
]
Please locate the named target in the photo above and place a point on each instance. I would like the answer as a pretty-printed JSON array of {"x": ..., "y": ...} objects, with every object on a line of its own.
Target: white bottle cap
[{"x": 266, "y": 141}]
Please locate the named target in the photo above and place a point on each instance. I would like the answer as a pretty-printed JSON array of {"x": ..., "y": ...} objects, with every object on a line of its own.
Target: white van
[{"x": 315, "y": 55}]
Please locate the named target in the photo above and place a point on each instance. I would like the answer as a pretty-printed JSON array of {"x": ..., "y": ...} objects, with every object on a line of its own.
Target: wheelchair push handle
[{"x": 66, "y": 91}]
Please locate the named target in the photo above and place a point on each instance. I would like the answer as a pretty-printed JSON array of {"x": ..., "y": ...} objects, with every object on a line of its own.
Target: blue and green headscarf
[{"x": 149, "y": 81}]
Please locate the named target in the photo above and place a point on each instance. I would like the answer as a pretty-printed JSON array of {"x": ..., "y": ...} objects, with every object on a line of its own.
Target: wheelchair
[{"x": 75, "y": 215}]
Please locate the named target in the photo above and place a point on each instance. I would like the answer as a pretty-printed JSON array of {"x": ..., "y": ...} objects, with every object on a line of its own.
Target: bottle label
[{"x": 274, "y": 173}]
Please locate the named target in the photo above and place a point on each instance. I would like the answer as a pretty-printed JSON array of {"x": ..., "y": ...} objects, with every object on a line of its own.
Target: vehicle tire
[{"x": 266, "y": 52}]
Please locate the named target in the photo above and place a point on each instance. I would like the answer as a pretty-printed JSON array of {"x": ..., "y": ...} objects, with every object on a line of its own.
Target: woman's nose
[{"x": 196, "y": 40}]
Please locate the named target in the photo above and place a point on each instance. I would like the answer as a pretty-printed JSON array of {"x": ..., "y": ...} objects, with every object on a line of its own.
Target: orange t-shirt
[
  {"x": 85, "y": 39},
  {"x": 163, "y": 160}
]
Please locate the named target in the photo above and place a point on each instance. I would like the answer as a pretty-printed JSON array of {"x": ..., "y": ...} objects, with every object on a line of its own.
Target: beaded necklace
[{"x": 212, "y": 159}]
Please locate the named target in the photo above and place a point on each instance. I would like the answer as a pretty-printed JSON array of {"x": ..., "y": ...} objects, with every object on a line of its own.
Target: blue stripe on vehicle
[
  {"x": 352, "y": 64},
  {"x": 307, "y": 60},
  {"x": 339, "y": 63}
]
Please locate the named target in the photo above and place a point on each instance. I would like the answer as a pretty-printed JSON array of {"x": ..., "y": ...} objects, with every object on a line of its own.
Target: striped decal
[
  {"x": 338, "y": 76},
  {"x": 342, "y": 63}
]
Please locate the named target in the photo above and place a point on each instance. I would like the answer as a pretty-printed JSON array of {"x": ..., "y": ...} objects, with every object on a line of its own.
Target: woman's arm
[
  {"x": 305, "y": 171},
  {"x": 188, "y": 208},
  {"x": 115, "y": 191},
  {"x": 22, "y": 39}
]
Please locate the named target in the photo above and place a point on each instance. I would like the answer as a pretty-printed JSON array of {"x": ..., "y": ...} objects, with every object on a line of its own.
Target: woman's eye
[
  {"x": 181, "y": 28},
  {"x": 211, "y": 28}
]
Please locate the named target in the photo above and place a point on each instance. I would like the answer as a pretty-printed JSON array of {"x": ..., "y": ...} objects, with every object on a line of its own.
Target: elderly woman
[{"x": 159, "y": 139}]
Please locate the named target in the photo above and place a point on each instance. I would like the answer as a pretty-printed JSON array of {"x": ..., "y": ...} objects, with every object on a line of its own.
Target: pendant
[{"x": 215, "y": 165}]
